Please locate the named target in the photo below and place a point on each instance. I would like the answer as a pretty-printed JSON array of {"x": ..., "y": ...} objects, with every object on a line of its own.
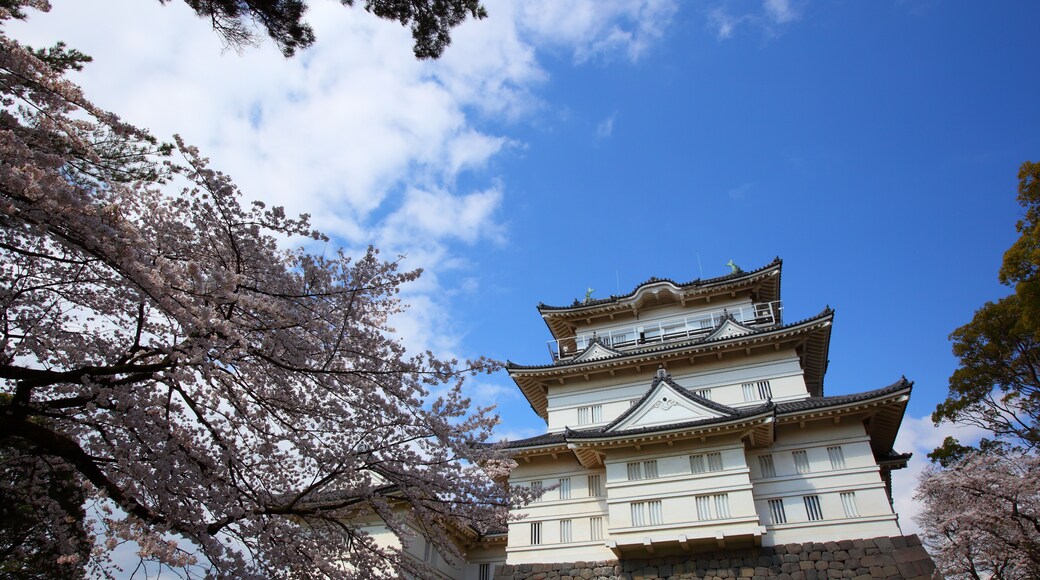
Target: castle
[{"x": 685, "y": 418}]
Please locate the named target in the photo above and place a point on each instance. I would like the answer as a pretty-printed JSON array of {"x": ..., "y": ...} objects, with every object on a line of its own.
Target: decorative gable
[
  {"x": 729, "y": 328},
  {"x": 664, "y": 404},
  {"x": 595, "y": 351}
]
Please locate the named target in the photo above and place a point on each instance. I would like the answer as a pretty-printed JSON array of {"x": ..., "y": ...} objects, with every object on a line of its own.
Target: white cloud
[
  {"x": 768, "y": 16},
  {"x": 605, "y": 128},
  {"x": 599, "y": 28},
  {"x": 779, "y": 11},
  {"x": 919, "y": 436},
  {"x": 354, "y": 131}
]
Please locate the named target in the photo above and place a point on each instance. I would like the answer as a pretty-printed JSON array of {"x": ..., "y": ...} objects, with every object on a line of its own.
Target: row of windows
[
  {"x": 813, "y": 511},
  {"x": 801, "y": 461},
  {"x": 709, "y": 507},
  {"x": 701, "y": 463},
  {"x": 567, "y": 530},
  {"x": 594, "y": 487}
]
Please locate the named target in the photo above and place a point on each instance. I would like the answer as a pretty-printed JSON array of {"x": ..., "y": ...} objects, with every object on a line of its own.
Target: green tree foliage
[
  {"x": 431, "y": 21},
  {"x": 997, "y": 386}
]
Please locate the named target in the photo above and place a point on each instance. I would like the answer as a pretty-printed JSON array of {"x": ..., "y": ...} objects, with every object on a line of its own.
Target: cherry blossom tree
[
  {"x": 981, "y": 516},
  {"x": 233, "y": 407}
]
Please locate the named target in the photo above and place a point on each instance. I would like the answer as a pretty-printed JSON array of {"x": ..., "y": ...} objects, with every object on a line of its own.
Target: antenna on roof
[
  {"x": 699, "y": 267},
  {"x": 617, "y": 280}
]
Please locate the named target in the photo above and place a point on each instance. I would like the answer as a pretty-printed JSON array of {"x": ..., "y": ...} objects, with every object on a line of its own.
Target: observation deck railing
[{"x": 673, "y": 329}]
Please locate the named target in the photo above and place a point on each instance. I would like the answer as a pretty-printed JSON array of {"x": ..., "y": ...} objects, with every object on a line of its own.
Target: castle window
[
  {"x": 536, "y": 490},
  {"x": 485, "y": 572},
  {"x": 848, "y": 501},
  {"x": 595, "y": 486},
  {"x": 712, "y": 507},
  {"x": 565, "y": 531},
  {"x": 705, "y": 393},
  {"x": 565, "y": 488},
  {"x": 776, "y": 511},
  {"x": 642, "y": 470},
  {"x": 596, "y": 527},
  {"x": 714, "y": 461},
  {"x": 812, "y": 507},
  {"x": 801, "y": 461},
  {"x": 837, "y": 457},
  {"x": 640, "y": 510},
  {"x": 590, "y": 414},
  {"x": 765, "y": 464},
  {"x": 428, "y": 552},
  {"x": 757, "y": 391},
  {"x": 721, "y": 505},
  {"x": 697, "y": 464},
  {"x": 536, "y": 533}
]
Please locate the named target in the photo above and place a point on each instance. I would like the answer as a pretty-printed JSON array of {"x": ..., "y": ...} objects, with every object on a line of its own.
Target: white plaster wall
[
  {"x": 725, "y": 380},
  {"x": 860, "y": 476}
]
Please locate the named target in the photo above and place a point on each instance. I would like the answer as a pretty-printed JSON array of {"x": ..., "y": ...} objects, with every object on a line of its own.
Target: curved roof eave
[{"x": 694, "y": 287}]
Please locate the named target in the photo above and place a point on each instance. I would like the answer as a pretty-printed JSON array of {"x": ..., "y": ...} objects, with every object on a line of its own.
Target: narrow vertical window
[
  {"x": 801, "y": 461},
  {"x": 596, "y": 527},
  {"x": 650, "y": 469},
  {"x": 715, "y": 462},
  {"x": 485, "y": 572},
  {"x": 703, "y": 507},
  {"x": 776, "y": 511},
  {"x": 595, "y": 486},
  {"x": 812, "y": 507},
  {"x": 765, "y": 464},
  {"x": 536, "y": 490},
  {"x": 656, "y": 515},
  {"x": 837, "y": 457},
  {"x": 721, "y": 505},
  {"x": 427, "y": 551},
  {"x": 583, "y": 415},
  {"x": 705, "y": 393},
  {"x": 764, "y": 390},
  {"x": 697, "y": 464},
  {"x": 848, "y": 501},
  {"x": 639, "y": 514},
  {"x": 565, "y": 531},
  {"x": 635, "y": 471},
  {"x": 536, "y": 533},
  {"x": 565, "y": 488},
  {"x": 749, "y": 392},
  {"x": 597, "y": 413}
]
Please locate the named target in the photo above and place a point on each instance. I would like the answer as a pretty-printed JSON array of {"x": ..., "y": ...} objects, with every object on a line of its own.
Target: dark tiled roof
[
  {"x": 738, "y": 414},
  {"x": 666, "y": 378},
  {"x": 822, "y": 402},
  {"x": 538, "y": 441},
  {"x": 729, "y": 414},
  {"x": 669, "y": 346},
  {"x": 693, "y": 283}
]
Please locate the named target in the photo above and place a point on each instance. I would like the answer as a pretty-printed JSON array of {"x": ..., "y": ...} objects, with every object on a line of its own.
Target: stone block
[
  {"x": 909, "y": 554},
  {"x": 884, "y": 544},
  {"x": 898, "y": 541},
  {"x": 821, "y": 565}
]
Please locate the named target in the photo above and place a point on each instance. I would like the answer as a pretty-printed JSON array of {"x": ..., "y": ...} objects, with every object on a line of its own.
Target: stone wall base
[{"x": 895, "y": 558}]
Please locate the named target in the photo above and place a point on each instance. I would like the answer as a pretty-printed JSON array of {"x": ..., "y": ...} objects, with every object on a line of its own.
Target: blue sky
[{"x": 565, "y": 145}]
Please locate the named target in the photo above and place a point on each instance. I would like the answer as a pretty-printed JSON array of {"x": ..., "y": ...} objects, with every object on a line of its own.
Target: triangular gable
[
  {"x": 667, "y": 403},
  {"x": 596, "y": 350},
  {"x": 728, "y": 328}
]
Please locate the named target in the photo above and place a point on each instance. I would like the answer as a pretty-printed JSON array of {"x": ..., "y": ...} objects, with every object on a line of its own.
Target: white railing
[{"x": 680, "y": 328}]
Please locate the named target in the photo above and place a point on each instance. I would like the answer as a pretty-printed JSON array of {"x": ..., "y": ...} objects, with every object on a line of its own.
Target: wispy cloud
[
  {"x": 605, "y": 128},
  {"x": 769, "y": 17}
]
